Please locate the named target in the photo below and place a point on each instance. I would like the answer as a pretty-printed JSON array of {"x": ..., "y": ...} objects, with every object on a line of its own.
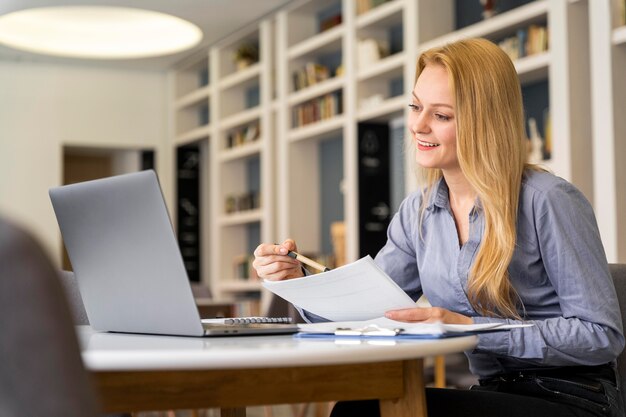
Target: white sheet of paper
[{"x": 357, "y": 291}]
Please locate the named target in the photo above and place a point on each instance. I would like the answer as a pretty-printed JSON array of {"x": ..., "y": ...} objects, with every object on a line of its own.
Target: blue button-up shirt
[{"x": 558, "y": 269}]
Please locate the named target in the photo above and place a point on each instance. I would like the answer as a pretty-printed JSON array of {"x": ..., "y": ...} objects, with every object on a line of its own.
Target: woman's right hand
[{"x": 272, "y": 263}]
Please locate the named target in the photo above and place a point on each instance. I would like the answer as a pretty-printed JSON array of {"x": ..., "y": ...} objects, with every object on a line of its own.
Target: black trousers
[{"x": 534, "y": 395}]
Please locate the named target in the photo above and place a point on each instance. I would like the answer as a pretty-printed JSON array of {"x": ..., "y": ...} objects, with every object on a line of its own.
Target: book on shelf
[
  {"x": 235, "y": 203},
  {"x": 242, "y": 267},
  {"x": 364, "y": 6},
  {"x": 330, "y": 22},
  {"x": 526, "y": 41},
  {"x": 242, "y": 135},
  {"x": 311, "y": 74},
  {"x": 320, "y": 108}
]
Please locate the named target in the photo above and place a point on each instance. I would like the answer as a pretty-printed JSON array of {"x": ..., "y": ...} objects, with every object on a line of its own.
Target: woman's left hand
[{"x": 428, "y": 315}]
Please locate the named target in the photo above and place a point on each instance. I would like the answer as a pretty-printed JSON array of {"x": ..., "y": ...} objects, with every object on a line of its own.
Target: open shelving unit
[
  {"x": 192, "y": 90},
  {"x": 242, "y": 169},
  {"x": 306, "y": 50},
  {"x": 608, "y": 86}
]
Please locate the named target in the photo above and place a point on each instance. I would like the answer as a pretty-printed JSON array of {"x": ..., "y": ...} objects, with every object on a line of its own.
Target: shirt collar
[{"x": 440, "y": 197}]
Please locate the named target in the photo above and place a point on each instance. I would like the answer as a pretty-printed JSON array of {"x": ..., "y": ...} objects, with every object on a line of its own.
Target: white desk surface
[{"x": 119, "y": 352}]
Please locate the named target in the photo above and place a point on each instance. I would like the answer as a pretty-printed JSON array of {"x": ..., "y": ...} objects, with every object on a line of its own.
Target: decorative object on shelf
[
  {"x": 338, "y": 236},
  {"x": 547, "y": 131},
  {"x": 246, "y": 54},
  {"x": 371, "y": 50},
  {"x": 242, "y": 267},
  {"x": 535, "y": 154},
  {"x": 489, "y": 8}
]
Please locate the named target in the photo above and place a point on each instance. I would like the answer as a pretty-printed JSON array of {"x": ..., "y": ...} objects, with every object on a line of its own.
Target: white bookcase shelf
[
  {"x": 316, "y": 90},
  {"x": 533, "y": 67},
  {"x": 385, "y": 111},
  {"x": 318, "y": 130},
  {"x": 241, "y": 76},
  {"x": 497, "y": 26},
  {"x": 241, "y": 118},
  {"x": 391, "y": 64},
  {"x": 380, "y": 15},
  {"x": 239, "y": 152},
  {"x": 193, "y": 97},
  {"x": 242, "y": 218},
  {"x": 324, "y": 42},
  {"x": 193, "y": 135}
]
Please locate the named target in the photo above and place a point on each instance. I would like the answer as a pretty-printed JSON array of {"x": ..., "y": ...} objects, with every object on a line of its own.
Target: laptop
[{"x": 127, "y": 263}]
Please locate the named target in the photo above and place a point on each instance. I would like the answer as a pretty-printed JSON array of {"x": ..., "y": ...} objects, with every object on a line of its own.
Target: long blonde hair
[{"x": 491, "y": 152}]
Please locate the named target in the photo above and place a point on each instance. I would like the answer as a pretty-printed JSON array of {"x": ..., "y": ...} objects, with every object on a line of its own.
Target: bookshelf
[
  {"x": 608, "y": 60},
  {"x": 242, "y": 167},
  {"x": 374, "y": 89},
  {"x": 191, "y": 93},
  {"x": 221, "y": 103},
  {"x": 325, "y": 133},
  {"x": 310, "y": 49}
]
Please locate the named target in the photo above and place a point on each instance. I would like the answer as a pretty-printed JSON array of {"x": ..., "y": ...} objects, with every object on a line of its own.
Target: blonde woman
[{"x": 492, "y": 239}]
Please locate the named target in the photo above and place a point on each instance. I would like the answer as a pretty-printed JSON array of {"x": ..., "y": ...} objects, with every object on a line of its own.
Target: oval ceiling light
[{"x": 97, "y": 32}]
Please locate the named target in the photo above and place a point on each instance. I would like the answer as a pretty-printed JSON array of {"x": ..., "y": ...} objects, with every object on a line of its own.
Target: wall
[{"x": 46, "y": 106}]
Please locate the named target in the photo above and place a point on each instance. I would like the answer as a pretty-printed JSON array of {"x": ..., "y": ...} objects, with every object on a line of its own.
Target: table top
[{"x": 104, "y": 351}]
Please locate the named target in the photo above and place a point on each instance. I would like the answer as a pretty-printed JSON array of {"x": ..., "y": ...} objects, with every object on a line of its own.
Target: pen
[{"x": 307, "y": 261}]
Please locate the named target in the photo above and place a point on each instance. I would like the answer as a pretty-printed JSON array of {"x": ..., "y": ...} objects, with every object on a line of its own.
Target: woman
[{"x": 493, "y": 239}]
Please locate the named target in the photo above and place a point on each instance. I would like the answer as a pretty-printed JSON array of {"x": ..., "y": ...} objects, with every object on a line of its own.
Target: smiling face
[{"x": 432, "y": 120}]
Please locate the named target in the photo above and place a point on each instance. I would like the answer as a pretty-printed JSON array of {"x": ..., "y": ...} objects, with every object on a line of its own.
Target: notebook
[{"x": 127, "y": 263}]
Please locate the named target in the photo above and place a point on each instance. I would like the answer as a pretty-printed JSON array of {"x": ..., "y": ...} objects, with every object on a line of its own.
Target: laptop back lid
[{"x": 125, "y": 255}]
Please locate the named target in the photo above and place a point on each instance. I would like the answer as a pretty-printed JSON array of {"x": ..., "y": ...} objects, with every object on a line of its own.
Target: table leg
[
  {"x": 413, "y": 399},
  {"x": 440, "y": 371},
  {"x": 233, "y": 412}
]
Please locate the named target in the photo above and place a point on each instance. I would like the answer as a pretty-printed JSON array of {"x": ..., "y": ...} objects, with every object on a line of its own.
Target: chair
[
  {"x": 77, "y": 308},
  {"x": 42, "y": 373},
  {"x": 618, "y": 272}
]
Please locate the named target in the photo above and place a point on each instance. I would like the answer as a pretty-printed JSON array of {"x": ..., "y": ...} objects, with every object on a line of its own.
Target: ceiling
[{"x": 216, "y": 19}]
